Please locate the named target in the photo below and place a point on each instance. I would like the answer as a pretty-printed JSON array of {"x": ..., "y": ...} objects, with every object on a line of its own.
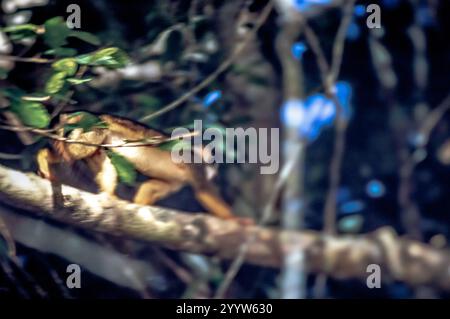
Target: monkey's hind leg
[
  {"x": 210, "y": 198},
  {"x": 153, "y": 190},
  {"x": 212, "y": 201}
]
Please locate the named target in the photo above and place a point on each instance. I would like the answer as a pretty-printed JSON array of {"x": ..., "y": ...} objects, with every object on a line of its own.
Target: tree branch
[{"x": 338, "y": 256}]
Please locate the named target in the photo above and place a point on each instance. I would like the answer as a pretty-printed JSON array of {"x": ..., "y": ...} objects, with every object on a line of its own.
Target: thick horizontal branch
[{"x": 338, "y": 256}]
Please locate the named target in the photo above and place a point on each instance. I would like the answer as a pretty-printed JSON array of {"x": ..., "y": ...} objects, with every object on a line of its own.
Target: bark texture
[{"x": 337, "y": 256}]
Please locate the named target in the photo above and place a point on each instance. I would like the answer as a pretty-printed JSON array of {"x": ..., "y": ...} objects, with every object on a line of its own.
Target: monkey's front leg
[
  {"x": 46, "y": 160},
  {"x": 153, "y": 190},
  {"x": 105, "y": 172}
]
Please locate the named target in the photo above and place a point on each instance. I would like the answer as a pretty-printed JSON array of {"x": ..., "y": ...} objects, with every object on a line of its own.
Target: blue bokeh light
[
  {"x": 297, "y": 49},
  {"x": 309, "y": 117},
  {"x": 343, "y": 92},
  {"x": 305, "y": 5},
  {"x": 352, "y": 207},
  {"x": 360, "y": 10},
  {"x": 353, "y": 31},
  {"x": 375, "y": 188},
  {"x": 293, "y": 113},
  {"x": 211, "y": 98}
]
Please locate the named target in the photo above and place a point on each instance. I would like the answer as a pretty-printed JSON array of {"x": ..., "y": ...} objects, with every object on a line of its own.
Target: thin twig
[
  {"x": 7, "y": 156},
  {"x": 267, "y": 212},
  {"x": 408, "y": 164},
  {"x": 222, "y": 67},
  {"x": 128, "y": 143},
  {"x": 335, "y": 176},
  {"x": 409, "y": 211},
  {"x": 433, "y": 119},
  {"x": 314, "y": 43},
  {"x": 329, "y": 75},
  {"x": 338, "y": 47},
  {"x": 26, "y": 60}
]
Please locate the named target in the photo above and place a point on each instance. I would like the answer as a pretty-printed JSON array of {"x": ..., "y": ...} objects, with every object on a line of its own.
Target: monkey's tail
[{"x": 214, "y": 204}]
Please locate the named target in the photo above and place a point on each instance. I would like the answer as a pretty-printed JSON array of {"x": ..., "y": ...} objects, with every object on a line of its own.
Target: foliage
[
  {"x": 134, "y": 59},
  {"x": 125, "y": 170}
]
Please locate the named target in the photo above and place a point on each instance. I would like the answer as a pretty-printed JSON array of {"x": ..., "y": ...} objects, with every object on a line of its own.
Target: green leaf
[
  {"x": 76, "y": 81},
  {"x": 56, "y": 32},
  {"x": 22, "y": 31},
  {"x": 107, "y": 52},
  {"x": 68, "y": 66},
  {"x": 126, "y": 171},
  {"x": 17, "y": 36},
  {"x": 55, "y": 83},
  {"x": 97, "y": 58},
  {"x": 13, "y": 93},
  {"x": 62, "y": 52},
  {"x": 32, "y": 114},
  {"x": 87, "y": 122},
  {"x": 86, "y": 37},
  {"x": 84, "y": 59},
  {"x": 112, "y": 58},
  {"x": 20, "y": 28}
]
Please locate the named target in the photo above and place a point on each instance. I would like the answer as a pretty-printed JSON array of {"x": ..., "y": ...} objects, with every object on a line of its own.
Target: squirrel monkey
[{"x": 165, "y": 176}]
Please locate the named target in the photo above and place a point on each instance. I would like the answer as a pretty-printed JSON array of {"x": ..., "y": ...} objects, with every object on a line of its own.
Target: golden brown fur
[{"x": 165, "y": 175}]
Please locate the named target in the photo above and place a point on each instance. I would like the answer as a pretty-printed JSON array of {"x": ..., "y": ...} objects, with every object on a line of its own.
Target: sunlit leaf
[
  {"x": 107, "y": 52},
  {"x": 21, "y": 27},
  {"x": 126, "y": 171},
  {"x": 76, "y": 81},
  {"x": 32, "y": 114},
  {"x": 22, "y": 31},
  {"x": 111, "y": 58},
  {"x": 68, "y": 66},
  {"x": 85, "y": 58},
  {"x": 55, "y": 83}
]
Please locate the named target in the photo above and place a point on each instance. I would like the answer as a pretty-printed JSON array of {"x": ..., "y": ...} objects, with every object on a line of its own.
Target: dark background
[{"x": 371, "y": 142}]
